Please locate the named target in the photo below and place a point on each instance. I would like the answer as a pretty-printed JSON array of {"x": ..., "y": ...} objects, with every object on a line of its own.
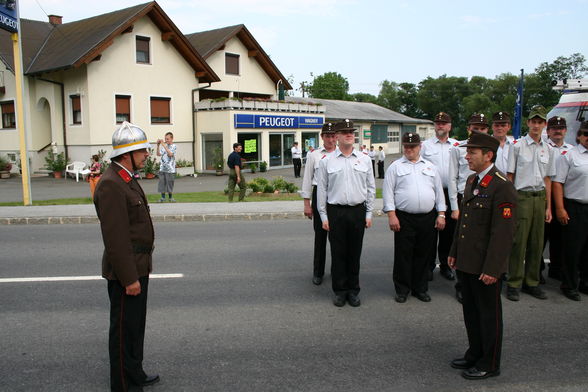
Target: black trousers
[
  {"x": 346, "y": 229},
  {"x": 374, "y": 167},
  {"x": 127, "y": 333},
  {"x": 411, "y": 254},
  {"x": 574, "y": 267},
  {"x": 482, "y": 314},
  {"x": 320, "y": 239},
  {"x": 443, "y": 239},
  {"x": 380, "y": 169},
  {"x": 553, "y": 233},
  {"x": 297, "y": 165}
]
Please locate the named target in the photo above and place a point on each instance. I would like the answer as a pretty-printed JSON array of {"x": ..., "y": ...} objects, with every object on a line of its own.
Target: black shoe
[
  {"x": 475, "y": 374},
  {"x": 150, "y": 380},
  {"x": 430, "y": 276},
  {"x": 583, "y": 288},
  {"x": 317, "y": 280},
  {"x": 400, "y": 298},
  {"x": 541, "y": 279},
  {"x": 459, "y": 297},
  {"x": 353, "y": 300},
  {"x": 572, "y": 294},
  {"x": 535, "y": 292},
  {"x": 461, "y": 363},
  {"x": 422, "y": 296},
  {"x": 339, "y": 300},
  {"x": 447, "y": 273},
  {"x": 512, "y": 293}
]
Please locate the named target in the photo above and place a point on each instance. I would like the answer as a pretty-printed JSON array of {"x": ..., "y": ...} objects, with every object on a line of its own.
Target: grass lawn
[{"x": 194, "y": 197}]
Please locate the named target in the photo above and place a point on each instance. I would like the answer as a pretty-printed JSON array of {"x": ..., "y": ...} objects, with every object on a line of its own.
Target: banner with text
[
  {"x": 8, "y": 18},
  {"x": 265, "y": 121}
]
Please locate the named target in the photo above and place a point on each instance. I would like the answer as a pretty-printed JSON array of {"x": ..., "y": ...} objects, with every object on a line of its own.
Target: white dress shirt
[
  {"x": 459, "y": 171},
  {"x": 436, "y": 152},
  {"x": 412, "y": 187},
  {"x": 572, "y": 172},
  {"x": 296, "y": 153},
  {"x": 531, "y": 162},
  {"x": 312, "y": 164},
  {"x": 347, "y": 181},
  {"x": 502, "y": 155}
]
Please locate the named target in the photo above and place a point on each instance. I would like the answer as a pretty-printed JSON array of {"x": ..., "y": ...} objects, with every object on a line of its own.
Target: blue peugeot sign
[
  {"x": 8, "y": 18},
  {"x": 270, "y": 121}
]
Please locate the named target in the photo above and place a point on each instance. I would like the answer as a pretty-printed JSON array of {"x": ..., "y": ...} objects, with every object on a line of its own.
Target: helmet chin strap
[{"x": 133, "y": 162}]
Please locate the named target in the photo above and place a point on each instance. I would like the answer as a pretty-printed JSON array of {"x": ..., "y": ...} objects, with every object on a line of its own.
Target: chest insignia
[
  {"x": 475, "y": 192},
  {"x": 456, "y": 144},
  {"x": 506, "y": 213},
  {"x": 125, "y": 175},
  {"x": 564, "y": 152}
]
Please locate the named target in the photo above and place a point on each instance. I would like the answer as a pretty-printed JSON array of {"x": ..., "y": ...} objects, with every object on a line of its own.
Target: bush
[
  {"x": 268, "y": 189},
  {"x": 55, "y": 162},
  {"x": 291, "y": 188},
  {"x": 279, "y": 183}
]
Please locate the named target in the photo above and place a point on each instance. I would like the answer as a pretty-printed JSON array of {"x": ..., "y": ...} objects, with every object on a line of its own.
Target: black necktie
[{"x": 475, "y": 183}]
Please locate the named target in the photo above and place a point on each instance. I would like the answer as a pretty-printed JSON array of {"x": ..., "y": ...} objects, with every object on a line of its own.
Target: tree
[
  {"x": 330, "y": 85},
  {"x": 572, "y": 67},
  {"x": 364, "y": 97},
  {"x": 407, "y": 94},
  {"x": 388, "y": 96}
]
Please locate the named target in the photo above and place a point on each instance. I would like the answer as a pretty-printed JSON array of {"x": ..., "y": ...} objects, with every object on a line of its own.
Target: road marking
[{"x": 76, "y": 278}]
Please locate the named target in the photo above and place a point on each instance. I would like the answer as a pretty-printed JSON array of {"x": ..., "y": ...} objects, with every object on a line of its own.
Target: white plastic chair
[{"x": 78, "y": 168}]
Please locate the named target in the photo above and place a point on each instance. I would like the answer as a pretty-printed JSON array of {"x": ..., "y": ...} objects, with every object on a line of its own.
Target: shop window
[
  {"x": 356, "y": 135},
  {"x": 8, "y": 116},
  {"x": 143, "y": 55},
  {"x": 393, "y": 136},
  {"x": 160, "y": 110},
  {"x": 379, "y": 133},
  {"x": 231, "y": 64},
  {"x": 76, "y": 109},
  {"x": 123, "y": 108}
]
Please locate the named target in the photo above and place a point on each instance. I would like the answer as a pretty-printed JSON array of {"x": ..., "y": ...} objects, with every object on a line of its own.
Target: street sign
[{"x": 8, "y": 16}]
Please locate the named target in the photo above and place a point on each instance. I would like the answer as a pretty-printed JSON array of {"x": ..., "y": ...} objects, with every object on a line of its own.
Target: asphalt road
[{"x": 246, "y": 317}]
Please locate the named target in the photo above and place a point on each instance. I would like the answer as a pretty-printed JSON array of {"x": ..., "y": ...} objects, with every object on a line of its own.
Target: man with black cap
[
  {"x": 415, "y": 204},
  {"x": 530, "y": 167},
  {"x": 480, "y": 253},
  {"x": 436, "y": 151},
  {"x": 309, "y": 192},
  {"x": 459, "y": 171},
  {"x": 556, "y": 133},
  {"x": 346, "y": 190},
  {"x": 570, "y": 192},
  {"x": 500, "y": 128}
]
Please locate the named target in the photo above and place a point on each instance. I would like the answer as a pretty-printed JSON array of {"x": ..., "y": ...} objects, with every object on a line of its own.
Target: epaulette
[
  {"x": 324, "y": 155},
  {"x": 514, "y": 141},
  {"x": 564, "y": 152},
  {"x": 500, "y": 176},
  {"x": 486, "y": 180},
  {"x": 456, "y": 144},
  {"x": 125, "y": 175}
]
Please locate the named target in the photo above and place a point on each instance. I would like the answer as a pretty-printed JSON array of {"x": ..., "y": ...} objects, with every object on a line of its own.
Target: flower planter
[
  {"x": 218, "y": 105},
  {"x": 320, "y": 108},
  {"x": 202, "y": 105},
  {"x": 234, "y": 103},
  {"x": 57, "y": 174},
  {"x": 248, "y": 105},
  {"x": 283, "y": 106},
  {"x": 149, "y": 176},
  {"x": 185, "y": 171},
  {"x": 303, "y": 107},
  {"x": 272, "y": 106}
]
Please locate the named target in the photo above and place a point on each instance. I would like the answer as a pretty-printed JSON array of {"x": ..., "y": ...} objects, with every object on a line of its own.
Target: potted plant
[
  {"x": 5, "y": 168},
  {"x": 263, "y": 166},
  {"x": 151, "y": 166},
  {"x": 55, "y": 163},
  {"x": 218, "y": 161},
  {"x": 253, "y": 167},
  {"x": 184, "y": 167}
]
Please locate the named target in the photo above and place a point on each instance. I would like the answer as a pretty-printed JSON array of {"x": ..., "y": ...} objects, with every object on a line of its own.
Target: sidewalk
[{"x": 45, "y": 188}]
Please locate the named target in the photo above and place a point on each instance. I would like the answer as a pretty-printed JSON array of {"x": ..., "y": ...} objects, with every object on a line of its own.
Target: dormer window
[
  {"x": 143, "y": 55},
  {"x": 231, "y": 64}
]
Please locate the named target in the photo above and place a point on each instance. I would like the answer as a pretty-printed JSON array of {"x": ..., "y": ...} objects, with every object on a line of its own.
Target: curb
[{"x": 76, "y": 220}]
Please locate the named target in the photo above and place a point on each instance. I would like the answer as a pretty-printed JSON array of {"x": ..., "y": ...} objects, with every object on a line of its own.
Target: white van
[{"x": 573, "y": 105}]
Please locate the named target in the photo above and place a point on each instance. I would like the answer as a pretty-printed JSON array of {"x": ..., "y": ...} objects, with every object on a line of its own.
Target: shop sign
[
  {"x": 266, "y": 121},
  {"x": 367, "y": 133},
  {"x": 8, "y": 19}
]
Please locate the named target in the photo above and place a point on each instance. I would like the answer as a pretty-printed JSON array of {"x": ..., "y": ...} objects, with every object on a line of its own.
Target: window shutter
[
  {"x": 160, "y": 107},
  {"x": 123, "y": 104},
  {"x": 232, "y": 64}
]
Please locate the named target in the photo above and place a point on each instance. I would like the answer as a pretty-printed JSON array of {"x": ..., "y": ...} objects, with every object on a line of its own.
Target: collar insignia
[{"x": 125, "y": 175}]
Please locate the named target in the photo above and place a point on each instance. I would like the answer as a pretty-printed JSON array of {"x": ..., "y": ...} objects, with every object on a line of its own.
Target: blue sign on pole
[
  {"x": 268, "y": 121},
  {"x": 8, "y": 16}
]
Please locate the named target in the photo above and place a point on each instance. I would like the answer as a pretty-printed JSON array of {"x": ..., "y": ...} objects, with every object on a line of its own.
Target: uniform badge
[
  {"x": 456, "y": 144},
  {"x": 506, "y": 213},
  {"x": 476, "y": 191},
  {"x": 564, "y": 152},
  {"x": 125, "y": 175},
  {"x": 486, "y": 180}
]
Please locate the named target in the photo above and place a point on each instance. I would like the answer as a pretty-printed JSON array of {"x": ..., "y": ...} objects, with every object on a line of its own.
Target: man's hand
[
  {"x": 133, "y": 288},
  {"x": 238, "y": 179},
  {"x": 326, "y": 225},
  {"x": 368, "y": 223},
  {"x": 307, "y": 209},
  {"x": 548, "y": 216},
  {"x": 455, "y": 214},
  {"x": 487, "y": 279},
  {"x": 440, "y": 223},
  {"x": 393, "y": 222},
  {"x": 562, "y": 216},
  {"x": 451, "y": 262}
]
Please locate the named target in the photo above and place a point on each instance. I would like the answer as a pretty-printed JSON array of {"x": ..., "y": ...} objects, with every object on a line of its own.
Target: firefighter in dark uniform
[
  {"x": 127, "y": 233},
  {"x": 480, "y": 254}
]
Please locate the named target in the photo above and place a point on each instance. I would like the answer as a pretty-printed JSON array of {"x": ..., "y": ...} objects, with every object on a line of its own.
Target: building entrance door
[{"x": 280, "y": 149}]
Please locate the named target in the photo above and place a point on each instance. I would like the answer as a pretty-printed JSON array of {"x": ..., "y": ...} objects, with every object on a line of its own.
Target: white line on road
[{"x": 74, "y": 278}]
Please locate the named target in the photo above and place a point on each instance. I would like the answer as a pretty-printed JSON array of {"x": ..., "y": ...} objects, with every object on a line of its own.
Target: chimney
[{"x": 55, "y": 19}]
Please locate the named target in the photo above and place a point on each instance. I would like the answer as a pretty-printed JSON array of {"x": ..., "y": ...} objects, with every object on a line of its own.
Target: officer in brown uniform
[
  {"x": 480, "y": 253},
  {"x": 127, "y": 233}
]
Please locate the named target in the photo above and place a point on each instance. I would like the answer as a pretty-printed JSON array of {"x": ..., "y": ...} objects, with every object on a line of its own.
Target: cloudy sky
[{"x": 368, "y": 41}]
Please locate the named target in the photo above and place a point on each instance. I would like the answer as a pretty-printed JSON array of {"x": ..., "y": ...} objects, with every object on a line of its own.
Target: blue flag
[{"x": 518, "y": 111}]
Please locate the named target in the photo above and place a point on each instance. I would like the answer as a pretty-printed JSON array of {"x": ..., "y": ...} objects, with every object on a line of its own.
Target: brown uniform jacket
[
  {"x": 127, "y": 230},
  {"x": 486, "y": 226}
]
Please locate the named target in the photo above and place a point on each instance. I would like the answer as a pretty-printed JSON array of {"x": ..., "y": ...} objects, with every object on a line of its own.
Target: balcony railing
[{"x": 250, "y": 104}]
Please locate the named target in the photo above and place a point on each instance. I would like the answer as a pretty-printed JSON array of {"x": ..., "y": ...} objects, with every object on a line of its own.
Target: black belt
[
  {"x": 142, "y": 249},
  {"x": 345, "y": 205},
  {"x": 578, "y": 203}
]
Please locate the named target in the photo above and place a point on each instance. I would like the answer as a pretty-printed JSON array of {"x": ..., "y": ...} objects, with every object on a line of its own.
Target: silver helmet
[{"x": 128, "y": 138}]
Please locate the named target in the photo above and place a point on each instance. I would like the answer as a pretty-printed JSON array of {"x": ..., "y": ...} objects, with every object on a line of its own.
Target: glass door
[{"x": 280, "y": 149}]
